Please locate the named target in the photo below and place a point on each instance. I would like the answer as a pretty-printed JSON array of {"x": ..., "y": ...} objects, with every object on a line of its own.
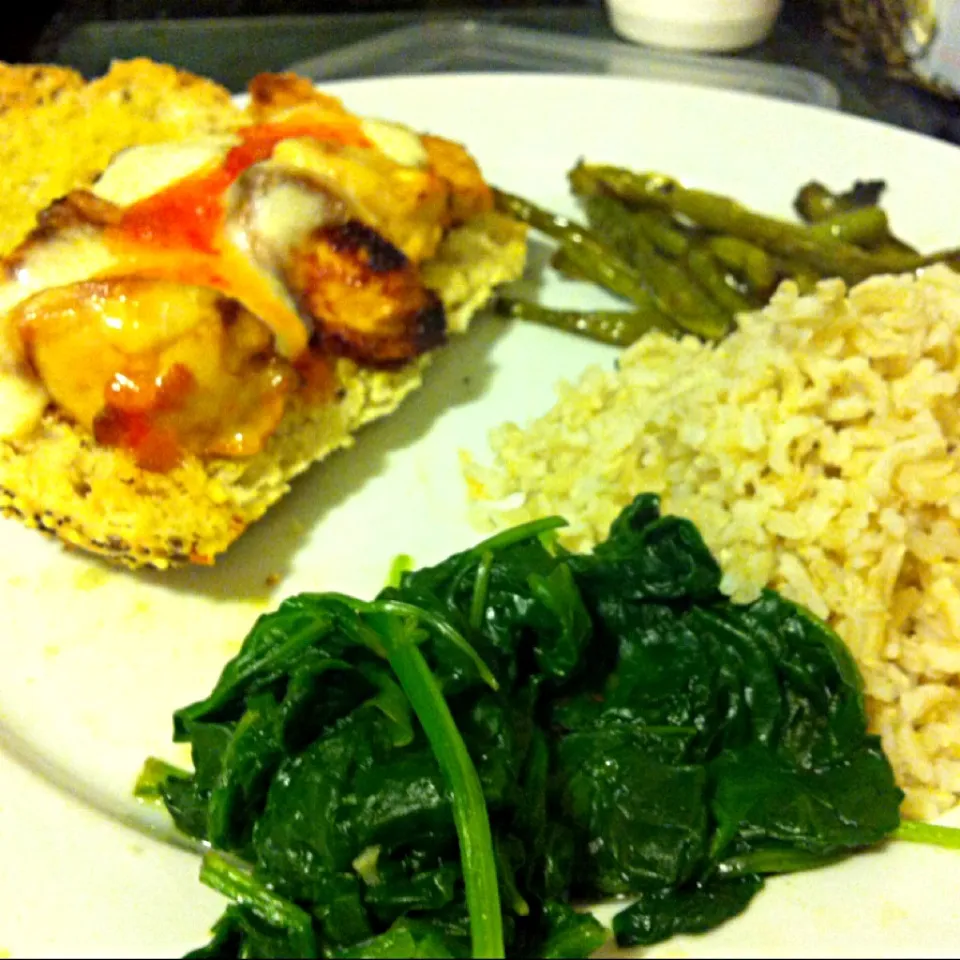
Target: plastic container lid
[{"x": 471, "y": 46}]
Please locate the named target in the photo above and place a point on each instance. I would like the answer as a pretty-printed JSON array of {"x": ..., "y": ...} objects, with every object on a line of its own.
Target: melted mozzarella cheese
[
  {"x": 403, "y": 204},
  {"x": 269, "y": 210},
  {"x": 65, "y": 259},
  {"x": 139, "y": 172},
  {"x": 74, "y": 255},
  {"x": 399, "y": 143}
]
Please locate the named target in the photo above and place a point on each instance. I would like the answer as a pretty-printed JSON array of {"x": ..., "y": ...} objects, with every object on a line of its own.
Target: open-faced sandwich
[{"x": 200, "y": 300}]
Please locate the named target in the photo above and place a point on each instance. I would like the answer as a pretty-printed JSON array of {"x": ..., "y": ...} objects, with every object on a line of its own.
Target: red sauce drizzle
[
  {"x": 189, "y": 212},
  {"x": 128, "y": 419},
  {"x": 142, "y": 410}
]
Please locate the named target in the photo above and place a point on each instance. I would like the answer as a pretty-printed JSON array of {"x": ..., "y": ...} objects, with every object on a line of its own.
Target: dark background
[
  {"x": 20, "y": 37},
  {"x": 269, "y": 34}
]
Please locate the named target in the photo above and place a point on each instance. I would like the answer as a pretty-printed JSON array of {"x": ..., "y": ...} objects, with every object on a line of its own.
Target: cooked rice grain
[{"x": 818, "y": 451}]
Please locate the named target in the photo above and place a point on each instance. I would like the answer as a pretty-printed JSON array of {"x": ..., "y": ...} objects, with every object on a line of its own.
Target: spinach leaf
[
  {"x": 188, "y": 801},
  {"x": 249, "y": 760},
  {"x": 450, "y": 767},
  {"x": 397, "y": 892},
  {"x": 661, "y": 914},
  {"x": 569, "y": 933},
  {"x": 758, "y": 798},
  {"x": 298, "y": 835},
  {"x": 640, "y": 823},
  {"x": 271, "y": 649},
  {"x": 559, "y": 648},
  {"x": 649, "y": 557}
]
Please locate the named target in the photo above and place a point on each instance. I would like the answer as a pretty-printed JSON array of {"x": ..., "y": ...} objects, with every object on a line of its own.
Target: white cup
[{"x": 717, "y": 25}]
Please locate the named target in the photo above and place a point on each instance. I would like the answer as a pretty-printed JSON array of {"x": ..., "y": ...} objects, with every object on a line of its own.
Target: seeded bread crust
[{"x": 59, "y": 480}]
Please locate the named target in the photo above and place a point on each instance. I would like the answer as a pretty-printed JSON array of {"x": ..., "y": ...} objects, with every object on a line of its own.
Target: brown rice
[{"x": 818, "y": 450}]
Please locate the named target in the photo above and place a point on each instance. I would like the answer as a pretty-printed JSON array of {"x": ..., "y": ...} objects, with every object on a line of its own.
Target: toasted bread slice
[
  {"x": 33, "y": 86},
  {"x": 58, "y": 134},
  {"x": 59, "y": 479}
]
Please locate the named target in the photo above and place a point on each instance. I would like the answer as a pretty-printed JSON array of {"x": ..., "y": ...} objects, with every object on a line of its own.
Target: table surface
[{"x": 232, "y": 49}]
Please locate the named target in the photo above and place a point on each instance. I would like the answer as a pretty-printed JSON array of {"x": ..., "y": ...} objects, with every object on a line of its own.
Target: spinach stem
[
  {"x": 776, "y": 861},
  {"x": 478, "y": 602},
  {"x": 507, "y": 538},
  {"x": 155, "y": 771},
  {"x": 237, "y": 883},
  {"x": 402, "y": 563},
  {"x": 469, "y": 806},
  {"x": 226, "y": 689},
  {"x": 442, "y": 626},
  {"x": 928, "y": 833}
]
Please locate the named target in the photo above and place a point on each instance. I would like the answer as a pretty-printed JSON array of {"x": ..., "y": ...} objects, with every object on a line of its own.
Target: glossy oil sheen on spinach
[{"x": 626, "y": 729}]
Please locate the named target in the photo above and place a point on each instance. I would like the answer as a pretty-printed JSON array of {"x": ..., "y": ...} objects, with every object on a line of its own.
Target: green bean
[
  {"x": 561, "y": 262},
  {"x": 617, "y": 327},
  {"x": 663, "y": 232},
  {"x": 593, "y": 258},
  {"x": 814, "y": 202},
  {"x": 723, "y": 215},
  {"x": 753, "y": 265},
  {"x": 712, "y": 277},
  {"x": 805, "y": 277},
  {"x": 865, "y": 227},
  {"x": 679, "y": 295},
  {"x": 610, "y": 220}
]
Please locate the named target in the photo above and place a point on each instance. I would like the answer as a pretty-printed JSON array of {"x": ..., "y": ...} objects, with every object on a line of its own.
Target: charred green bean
[
  {"x": 752, "y": 264},
  {"x": 619, "y": 328},
  {"x": 589, "y": 255},
  {"x": 723, "y": 215},
  {"x": 713, "y": 278},
  {"x": 678, "y": 294},
  {"x": 815, "y": 202}
]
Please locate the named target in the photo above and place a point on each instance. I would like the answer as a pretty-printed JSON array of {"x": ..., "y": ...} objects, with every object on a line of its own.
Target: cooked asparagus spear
[
  {"x": 663, "y": 232},
  {"x": 588, "y": 255},
  {"x": 561, "y": 262},
  {"x": 597, "y": 261},
  {"x": 617, "y": 327},
  {"x": 723, "y": 215},
  {"x": 867, "y": 227},
  {"x": 814, "y": 202},
  {"x": 753, "y": 265},
  {"x": 682, "y": 297},
  {"x": 713, "y": 278}
]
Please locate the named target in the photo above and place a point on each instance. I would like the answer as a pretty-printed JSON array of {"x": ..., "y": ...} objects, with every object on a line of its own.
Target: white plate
[{"x": 95, "y": 660}]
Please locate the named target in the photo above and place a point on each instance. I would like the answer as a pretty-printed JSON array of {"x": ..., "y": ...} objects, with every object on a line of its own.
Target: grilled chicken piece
[
  {"x": 82, "y": 289},
  {"x": 407, "y": 204},
  {"x": 160, "y": 368},
  {"x": 83, "y": 237},
  {"x": 367, "y": 299},
  {"x": 470, "y": 195},
  {"x": 275, "y": 95},
  {"x": 307, "y": 227}
]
